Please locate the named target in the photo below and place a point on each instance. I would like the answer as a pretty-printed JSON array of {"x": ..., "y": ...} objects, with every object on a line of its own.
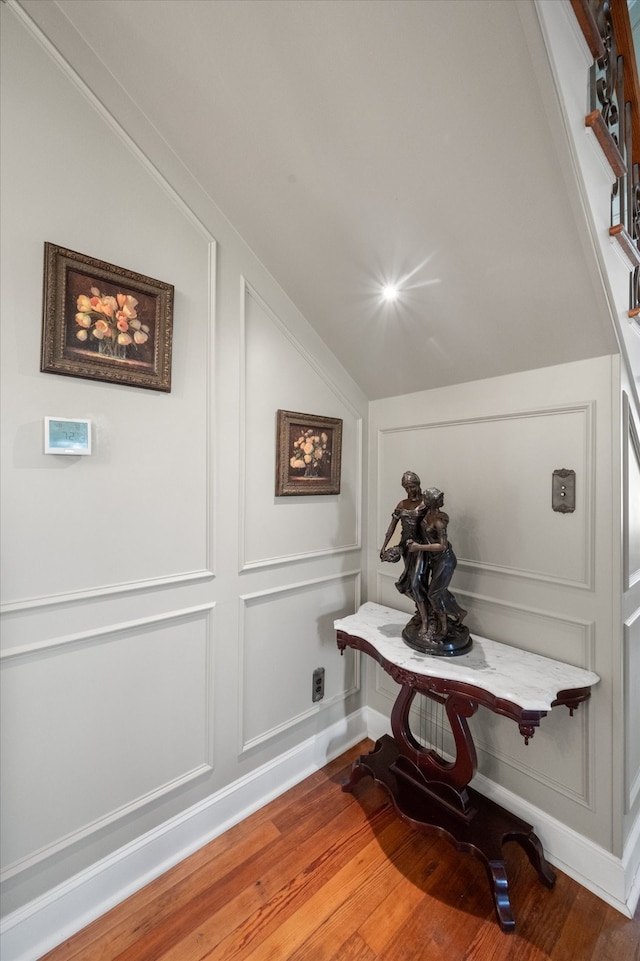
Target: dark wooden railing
[{"x": 614, "y": 118}]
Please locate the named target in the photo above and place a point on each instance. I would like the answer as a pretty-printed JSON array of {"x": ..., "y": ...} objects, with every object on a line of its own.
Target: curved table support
[
  {"x": 458, "y": 708},
  {"x": 481, "y": 828}
]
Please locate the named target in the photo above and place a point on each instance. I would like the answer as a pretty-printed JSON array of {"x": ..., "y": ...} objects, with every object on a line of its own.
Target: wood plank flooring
[{"x": 320, "y": 875}]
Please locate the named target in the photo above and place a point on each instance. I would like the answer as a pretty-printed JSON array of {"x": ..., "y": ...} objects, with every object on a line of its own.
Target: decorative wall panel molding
[
  {"x": 631, "y": 661},
  {"x": 526, "y": 446},
  {"x": 540, "y": 632},
  {"x": 210, "y": 414},
  {"x": 548, "y": 634},
  {"x": 296, "y": 558},
  {"x": 276, "y": 684},
  {"x": 74, "y": 597},
  {"x": 208, "y": 526},
  {"x": 100, "y": 634},
  {"x": 83, "y": 690},
  {"x": 467, "y": 565},
  {"x": 332, "y": 523},
  {"x": 136, "y": 514},
  {"x": 631, "y": 496}
]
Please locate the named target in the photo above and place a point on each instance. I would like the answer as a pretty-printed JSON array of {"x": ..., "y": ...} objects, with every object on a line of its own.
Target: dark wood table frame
[{"x": 433, "y": 794}]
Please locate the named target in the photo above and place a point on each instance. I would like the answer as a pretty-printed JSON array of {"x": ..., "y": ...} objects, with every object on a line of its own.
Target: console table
[{"x": 430, "y": 792}]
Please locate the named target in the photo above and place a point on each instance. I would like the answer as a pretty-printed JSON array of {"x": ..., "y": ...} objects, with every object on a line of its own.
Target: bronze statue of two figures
[{"x": 429, "y": 562}]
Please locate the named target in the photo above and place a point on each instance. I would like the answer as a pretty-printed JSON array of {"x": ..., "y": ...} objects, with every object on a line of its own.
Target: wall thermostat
[{"x": 64, "y": 435}]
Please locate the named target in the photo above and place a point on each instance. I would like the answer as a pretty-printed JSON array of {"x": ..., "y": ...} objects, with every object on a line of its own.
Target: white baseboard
[
  {"x": 614, "y": 880},
  {"x": 31, "y": 931}
]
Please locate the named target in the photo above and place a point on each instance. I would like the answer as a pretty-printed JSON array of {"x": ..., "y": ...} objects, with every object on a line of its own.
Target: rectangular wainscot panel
[
  {"x": 96, "y": 727},
  {"x": 632, "y": 709},
  {"x": 496, "y": 476},
  {"x": 136, "y": 509},
  {"x": 281, "y": 375},
  {"x": 631, "y": 499},
  {"x": 278, "y": 661}
]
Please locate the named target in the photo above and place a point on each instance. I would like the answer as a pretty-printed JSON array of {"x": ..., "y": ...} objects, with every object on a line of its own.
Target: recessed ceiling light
[{"x": 390, "y": 292}]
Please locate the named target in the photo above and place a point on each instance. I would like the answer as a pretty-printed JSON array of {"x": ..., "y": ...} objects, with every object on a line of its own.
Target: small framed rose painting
[
  {"x": 104, "y": 322},
  {"x": 308, "y": 454}
]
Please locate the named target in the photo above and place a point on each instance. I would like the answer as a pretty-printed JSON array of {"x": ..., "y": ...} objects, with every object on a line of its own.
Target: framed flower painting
[
  {"x": 308, "y": 454},
  {"x": 104, "y": 322}
]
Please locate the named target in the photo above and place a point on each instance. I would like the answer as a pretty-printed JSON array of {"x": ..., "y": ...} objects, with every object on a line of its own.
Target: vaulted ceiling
[{"x": 356, "y": 142}]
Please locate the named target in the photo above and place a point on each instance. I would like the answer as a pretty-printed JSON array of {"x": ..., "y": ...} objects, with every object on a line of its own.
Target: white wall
[{"x": 162, "y": 610}]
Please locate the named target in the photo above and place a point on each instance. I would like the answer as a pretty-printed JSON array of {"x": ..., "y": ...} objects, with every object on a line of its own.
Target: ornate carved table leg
[
  {"x": 433, "y": 795},
  {"x": 531, "y": 845}
]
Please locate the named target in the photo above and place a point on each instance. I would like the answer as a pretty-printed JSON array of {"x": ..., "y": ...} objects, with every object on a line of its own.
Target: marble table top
[{"x": 528, "y": 680}]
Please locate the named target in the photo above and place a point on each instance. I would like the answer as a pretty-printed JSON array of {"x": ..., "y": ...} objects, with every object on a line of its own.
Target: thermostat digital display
[{"x": 63, "y": 435}]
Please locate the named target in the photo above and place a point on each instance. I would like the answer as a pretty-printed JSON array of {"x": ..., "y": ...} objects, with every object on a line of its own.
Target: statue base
[{"x": 457, "y": 640}]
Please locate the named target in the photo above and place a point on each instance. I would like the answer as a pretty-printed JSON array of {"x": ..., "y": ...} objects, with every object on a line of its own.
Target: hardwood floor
[{"x": 321, "y": 875}]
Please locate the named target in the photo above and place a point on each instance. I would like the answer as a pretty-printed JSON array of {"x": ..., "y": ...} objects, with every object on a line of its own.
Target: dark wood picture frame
[
  {"x": 104, "y": 322},
  {"x": 308, "y": 454}
]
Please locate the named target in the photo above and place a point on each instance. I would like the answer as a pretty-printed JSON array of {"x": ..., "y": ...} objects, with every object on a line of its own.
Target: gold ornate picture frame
[
  {"x": 308, "y": 454},
  {"x": 104, "y": 322}
]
